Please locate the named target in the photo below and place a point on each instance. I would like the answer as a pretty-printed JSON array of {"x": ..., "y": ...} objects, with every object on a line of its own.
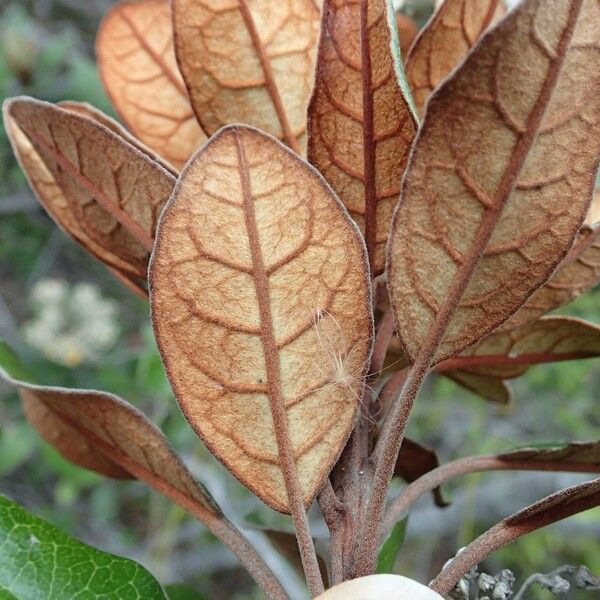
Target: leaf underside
[
  {"x": 136, "y": 59},
  {"x": 261, "y": 308},
  {"x": 500, "y": 179}
]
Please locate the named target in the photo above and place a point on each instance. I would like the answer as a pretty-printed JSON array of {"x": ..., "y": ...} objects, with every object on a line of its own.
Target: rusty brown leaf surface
[
  {"x": 414, "y": 460},
  {"x": 454, "y": 28},
  {"x": 261, "y": 308},
  {"x": 87, "y": 110},
  {"x": 360, "y": 124},
  {"x": 578, "y": 273},
  {"x": 577, "y": 453},
  {"x": 510, "y": 354},
  {"x": 136, "y": 59},
  {"x": 500, "y": 178},
  {"x": 249, "y": 62},
  {"x": 100, "y": 189},
  {"x": 103, "y": 433},
  {"x": 489, "y": 387}
]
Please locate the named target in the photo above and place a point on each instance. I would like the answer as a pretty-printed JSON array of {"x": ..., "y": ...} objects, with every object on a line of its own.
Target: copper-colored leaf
[
  {"x": 104, "y": 433},
  {"x": 99, "y": 188},
  {"x": 415, "y": 460},
  {"x": 137, "y": 64},
  {"x": 248, "y": 62},
  {"x": 445, "y": 40},
  {"x": 500, "y": 178},
  {"x": 377, "y": 587},
  {"x": 578, "y": 273},
  {"x": 87, "y": 110},
  {"x": 261, "y": 307},
  {"x": 575, "y": 453},
  {"x": 487, "y": 386},
  {"x": 361, "y": 125},
  {"x": 510, "y": 354}
]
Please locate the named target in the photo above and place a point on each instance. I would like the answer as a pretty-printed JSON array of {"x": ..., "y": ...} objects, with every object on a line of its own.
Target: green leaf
[
  {"x": 390, "y": 548},
  {"x": 38, "y": 561},
  {"x": 10, "y": 362},
  {"x": 180, "y": 591}
]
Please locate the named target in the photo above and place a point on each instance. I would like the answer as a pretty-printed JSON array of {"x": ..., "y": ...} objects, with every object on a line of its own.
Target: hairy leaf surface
[
  {"x": 550, "y": 339},
  {"x": 500, "y": 179},
  {"x": 446, "y": 39},
  {"x": 248, "y": 62},
  {"x": 261, "y": 308},
  {"x": 103, "y": 433},
  {"x": 37, "y": 560},
  {"x": 137, "y": 64},
  {"x": 585, "y": 454},
  {"x": 361, "y": 125},
  {"x": 99, "y": 188},
  {"x": 578, "y": 273}
]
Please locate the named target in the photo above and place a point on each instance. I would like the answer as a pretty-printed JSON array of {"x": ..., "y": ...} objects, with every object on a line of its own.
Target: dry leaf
[
  {"x": 99, "y": 188},
  {"x": 414, "y": 461},
  {"x": 248, "y": 62},
  {"x": 500, "y": 178},
  {"x": 136, "y": 59},
  {"x": 87, "y": 110},
  {"x": 378, "y": 587},
  {"x": 104, "y": 433},
  {"x": 360, "y": 123},
  {"x": 261, "y": 307},
  {"x": 585, "y": 454},
  {"x": 578, "y": 273},
  {"x": 446, "y": 39},
  {"x": 487, "y": 386},
  {"x": 510, "y": 354}
]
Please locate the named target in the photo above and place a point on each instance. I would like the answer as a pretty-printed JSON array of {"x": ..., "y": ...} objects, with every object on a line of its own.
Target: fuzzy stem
[{"x": 471, "y": 464}]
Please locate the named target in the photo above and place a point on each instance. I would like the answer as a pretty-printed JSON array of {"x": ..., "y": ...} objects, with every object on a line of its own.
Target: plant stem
[
  {"x": 471, "y": 464},
  {"x": 505, "y": 532}
]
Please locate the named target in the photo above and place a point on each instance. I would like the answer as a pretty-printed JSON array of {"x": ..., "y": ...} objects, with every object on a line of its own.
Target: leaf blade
[
  {"x": 361, "y": 124},
  {"x": 260, "y": 70},
  {"x": 251, "y": 183},
  {"x": 454, "y": 247},
  {"x": 136, "y": 59}
]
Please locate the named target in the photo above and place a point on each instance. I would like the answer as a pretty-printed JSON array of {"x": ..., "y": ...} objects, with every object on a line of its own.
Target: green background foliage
[{"x": 46, "y": 52}]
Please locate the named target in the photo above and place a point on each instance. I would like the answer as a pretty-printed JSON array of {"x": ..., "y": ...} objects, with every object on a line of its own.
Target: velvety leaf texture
[
  {"x": 37, "y": 560},
  {"x": 137, "y": 63},
  {"x": 445, "y": 40},
  {"x": 361, "y": 126},
  {"x": 500, "y": 179},
  {"x": 549, "y": 339},
  {"x": 248, "y": 62},
  {"x": 261, "y": 307},
  {"x": 99, "y": 188},
  {"x": 577, "y": 453}
]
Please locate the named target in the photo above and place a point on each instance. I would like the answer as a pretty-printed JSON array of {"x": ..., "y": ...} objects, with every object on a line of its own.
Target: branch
[
  {"x": 471, "y": 464},
  {"x": 551, "y": 509}
]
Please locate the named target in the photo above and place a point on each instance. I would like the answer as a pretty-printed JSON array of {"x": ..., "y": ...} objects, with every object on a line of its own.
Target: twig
[{"x": 471, "y": 464}]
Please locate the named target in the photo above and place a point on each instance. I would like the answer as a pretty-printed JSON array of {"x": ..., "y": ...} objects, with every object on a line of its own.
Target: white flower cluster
[{"x": 71, "y": 324}]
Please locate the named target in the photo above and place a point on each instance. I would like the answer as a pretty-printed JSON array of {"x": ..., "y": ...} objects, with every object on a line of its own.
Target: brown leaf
[
  {"x": 87, "y": 110},
  {"x": 487, "y": 386},
  {"x": 360, "y": 125},
  {"x": 261, "y": 307},
  {"x": 446, "y": 39},
  {"x": 575, "y": 453},
  {"x": 137, "y": 64},
  {"x": 510, "y": 354},
  {"x": 500, "y": 178},
  {"x": 593, "y": 216},
  {"x": 104, "y": 433},
  {"x": 415, "y": 460},
  {"x": 248, "y": 62},
  {"x": 407, "y": 32},
  {"x": 99, "y": 188},
  {"x": 578, "y": 273}
]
